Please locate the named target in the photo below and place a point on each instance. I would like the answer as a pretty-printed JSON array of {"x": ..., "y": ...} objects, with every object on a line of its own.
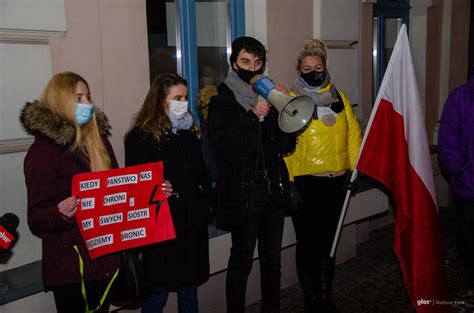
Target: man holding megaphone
[{"x": 252, "y": 185}]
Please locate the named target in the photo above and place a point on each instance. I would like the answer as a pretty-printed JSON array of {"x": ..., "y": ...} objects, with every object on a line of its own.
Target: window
[
  {"x": 389, "y": 15},
  {"x": 193, "y": 38},
  {"x": 213, "y": 39},
  {"x": 161, "y": 37}
]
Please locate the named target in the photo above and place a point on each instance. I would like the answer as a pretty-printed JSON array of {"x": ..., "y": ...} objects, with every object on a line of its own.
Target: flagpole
[{"x": 343, "y": 214}]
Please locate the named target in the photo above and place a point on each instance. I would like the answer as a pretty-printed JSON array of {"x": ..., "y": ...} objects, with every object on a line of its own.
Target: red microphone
[{"x": 8, "y": 224}]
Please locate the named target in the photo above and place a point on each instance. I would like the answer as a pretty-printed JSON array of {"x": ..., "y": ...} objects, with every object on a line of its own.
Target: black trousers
[
  {"x": 315, "y": 225},
  {"x": 465, "y": 231},
  {"x": 68, "y": 298},
  {"x": 265, "y": 224},
  {"x": 316, "y": 221}
]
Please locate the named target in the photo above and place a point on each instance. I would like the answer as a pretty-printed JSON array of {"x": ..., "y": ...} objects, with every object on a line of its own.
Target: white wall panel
[
  {"x": 27, "y": 247},
  {"x": 33, "y": 15},
  {"x": 24, "y": 71},
  {"x": 256, "y": 20}
]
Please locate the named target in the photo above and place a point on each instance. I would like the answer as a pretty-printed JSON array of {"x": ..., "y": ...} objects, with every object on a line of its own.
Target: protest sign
[{"x": 122, "y": 208}]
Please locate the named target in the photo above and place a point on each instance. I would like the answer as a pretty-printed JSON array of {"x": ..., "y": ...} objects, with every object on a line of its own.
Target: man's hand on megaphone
[
  {"x": 261, "y": 109},
  {"x": 281, "y": 88}
]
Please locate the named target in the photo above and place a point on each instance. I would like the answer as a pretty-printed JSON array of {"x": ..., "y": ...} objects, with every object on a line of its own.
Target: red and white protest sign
[{"x": 122, "y": 208}]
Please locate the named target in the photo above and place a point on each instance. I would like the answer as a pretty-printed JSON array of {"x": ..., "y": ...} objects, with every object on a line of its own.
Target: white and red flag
[{"x": 395, "y": 152}]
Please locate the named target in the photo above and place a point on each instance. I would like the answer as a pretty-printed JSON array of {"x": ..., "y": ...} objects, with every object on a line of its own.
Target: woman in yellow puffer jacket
[{"x": 325, "y": 152}]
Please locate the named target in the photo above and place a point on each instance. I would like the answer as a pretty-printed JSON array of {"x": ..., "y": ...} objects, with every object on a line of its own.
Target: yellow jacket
[{"x": 322, "y": 149}]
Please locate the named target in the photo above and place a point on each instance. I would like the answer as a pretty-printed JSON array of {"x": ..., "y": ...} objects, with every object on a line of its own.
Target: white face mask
[{"x": 178, "y": 108}]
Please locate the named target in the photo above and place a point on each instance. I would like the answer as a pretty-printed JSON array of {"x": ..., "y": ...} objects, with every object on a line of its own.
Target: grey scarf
[
  {"x": 320, "y": 99},
  {"x": 183, "y": 122},
  {"x": 242, "y": 91}
]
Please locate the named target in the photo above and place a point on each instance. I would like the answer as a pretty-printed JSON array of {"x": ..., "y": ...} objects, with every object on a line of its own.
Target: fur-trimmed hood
[{"x": 37, "y": 119}]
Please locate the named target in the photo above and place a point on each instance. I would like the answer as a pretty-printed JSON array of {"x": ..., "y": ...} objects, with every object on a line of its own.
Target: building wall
[
  {"x": 459, "y": 47},
  {"x": 338, "y": 25},
  {"x": 285, "y": 43},
  {"x": 418, "y": 20},
  {"x": 256, "y": 19},
  {"x": 445, "y": 54},
  {"x": 105, "y": 42},
  {"x": 25, "y": 67},
  {"x": 110, "y": 49}
]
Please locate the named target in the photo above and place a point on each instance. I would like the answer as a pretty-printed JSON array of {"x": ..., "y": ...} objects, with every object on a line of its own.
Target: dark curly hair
[{"x": 249, "y": 44}]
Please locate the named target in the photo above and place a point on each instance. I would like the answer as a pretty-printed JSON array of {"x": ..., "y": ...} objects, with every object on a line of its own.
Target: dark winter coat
[
  {"x": 49, "y": 167},
  {"x": 456, "y": 139},
  {"x": 208, "y": 154},
  {"x": 233, "y": 133},
  {"x": 184, "y": 260}
]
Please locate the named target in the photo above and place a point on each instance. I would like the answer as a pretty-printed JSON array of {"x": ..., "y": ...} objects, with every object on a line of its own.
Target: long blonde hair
[
  {"x": 312, "y": 47},
  {"x": 60, "y": 97}
]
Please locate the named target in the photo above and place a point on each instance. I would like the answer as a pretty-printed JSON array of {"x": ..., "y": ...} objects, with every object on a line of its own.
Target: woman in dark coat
[
  {"x": 164, "y": 131},
  {"x": 70, "y": 138}
]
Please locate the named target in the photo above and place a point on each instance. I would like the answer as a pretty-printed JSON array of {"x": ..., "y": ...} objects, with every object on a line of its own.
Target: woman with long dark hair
[{"x": 163, "y": 130}]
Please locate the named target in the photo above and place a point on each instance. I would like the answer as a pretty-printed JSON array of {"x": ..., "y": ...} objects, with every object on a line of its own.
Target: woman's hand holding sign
[
  {"x": 167, "y": 188},
  {"x": 68, "y": 207}
]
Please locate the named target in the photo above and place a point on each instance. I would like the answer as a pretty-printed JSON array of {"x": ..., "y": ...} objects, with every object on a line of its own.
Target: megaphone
[{"x": 294, "y": 112}]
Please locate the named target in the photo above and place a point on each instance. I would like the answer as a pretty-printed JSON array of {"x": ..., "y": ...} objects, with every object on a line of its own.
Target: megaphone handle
[{"x": 261, "y": 117}]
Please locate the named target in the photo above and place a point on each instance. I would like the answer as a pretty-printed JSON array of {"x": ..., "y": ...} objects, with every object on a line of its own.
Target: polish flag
[{"x": 395, "y": 152}]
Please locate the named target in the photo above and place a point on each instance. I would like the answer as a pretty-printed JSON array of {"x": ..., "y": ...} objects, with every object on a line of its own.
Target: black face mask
[
  {"x": 314, "y": 78},
  {"x": 247, "y": 75}
]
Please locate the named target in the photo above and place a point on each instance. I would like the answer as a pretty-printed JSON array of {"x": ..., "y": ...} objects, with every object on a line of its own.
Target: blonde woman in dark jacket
[{"x": 70, "y": 138}]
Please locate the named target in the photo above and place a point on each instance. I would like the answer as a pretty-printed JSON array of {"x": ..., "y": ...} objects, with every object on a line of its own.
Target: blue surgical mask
[{"x": 83, "y": 113}]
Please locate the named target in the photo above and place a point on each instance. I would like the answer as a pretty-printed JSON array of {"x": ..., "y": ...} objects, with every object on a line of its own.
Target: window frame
[
  {"x": 382, "y": 10},
  {"x": 187, "y": 63}
]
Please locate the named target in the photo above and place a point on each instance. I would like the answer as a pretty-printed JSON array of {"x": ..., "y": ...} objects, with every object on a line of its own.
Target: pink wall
[
  {"x": 289, "y": 24},
  {"x": 106, "y": 42},
  {"x": 80, "y": 49}
]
